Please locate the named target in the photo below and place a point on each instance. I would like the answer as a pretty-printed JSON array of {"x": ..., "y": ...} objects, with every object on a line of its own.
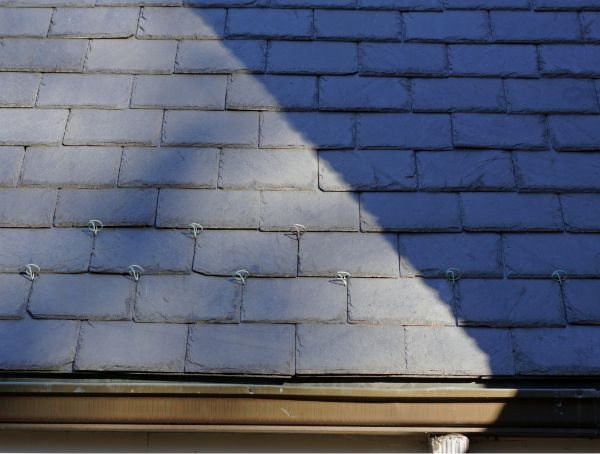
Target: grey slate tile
[
  {"x": 181, "y": 23},
  {"x": 570, "y": 60},
  {"x": 32, "y": 126},
  {"x": 448, "y": 26},
  {"x": 458, "y": 95},
  {"x": 83, "y": 167},
  {"x": 270, "y": 23},
  {"x": 360, "y": 254},
  {"x": 131, "y": 56},
  {"x": 539, "y": 255},
  {"x": 363, "y": 93},
  {"x": 316, "y": 210},
  {"x": 261, "y": 254},
  {"x": 52, "y": 55},
  {"x": 550, "y": 95},
  {"x": 268, "y": 169},
  {"x": 431, "y": 255},
  {"x": 582, "y": 299},
  {"x": 312, "y": 57},
  {"x": 510, "y": 303},
  {"x": 409, "y": 212},
  {"x": 180, "y": 92},
  {"x": 96, "y": 22},
  {"x": 128, "y": 346},
  {"x": 53, "y": 250},
  {"x": 534, "y": 27},
  {"x": 581, "y": 212},
  {"x": 297, "y": 300},
  {"x": 575, "y": 132},
  {"x": 370, "y": 170},
  {"x": 511, "y": 212},
  {"x": 209, "y": 56},
  {"x": 38, "y": 344},
  {"x": 25, "y": 22},
  {"x": 156, "y": 251},
  {"x": 82, "y": 296},
  {"x": 403, "y": 59},
  {"x": 412, "y": 301},
  {"x": 213, "y": 208},
  {"x": 113, "y": 207},
  {"x": 590, "y": 26},
  {"x": 358, "y": 25},
  {"x": 458, "y": 351},
  {"x": 49, "y": 3},
  {"x": 229, "y": 129},
  {"x": 350, "y": 349},
  {"x": 242, "y": 349},
  {"x": 25, "y": 207},
  {"x": 557, "y": 351},
  {"x": 501, "y": 60},
  {"x": 19, "y": 90},
  {"x": 11, "y": 159},
  {"x": 187, "y": 299},
  {"x": 478, "y": 170},
  {"x": 102, "y": 91},
  {"x": 256, "y": 92},
  {"x": 14, "y": 295},
  {"x": 169, "y": 167}
]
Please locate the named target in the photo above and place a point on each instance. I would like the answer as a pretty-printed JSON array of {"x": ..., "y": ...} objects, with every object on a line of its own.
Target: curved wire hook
[
  {"x": 95, "y": 226},
  {"x": 241, "y": 276},
  {"x": 135, "y": 271},
  {"x": 298, "y": 230},
  {"x": 453, "y": 274},
  {"x": 559, "y": 276},
  {"x": 32, "y": 270},
  {"x": 343, "y": 276},
  {"x": 195, "y": 229}
]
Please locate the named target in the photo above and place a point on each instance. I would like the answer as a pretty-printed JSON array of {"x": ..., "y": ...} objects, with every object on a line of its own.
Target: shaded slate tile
[
  {"x": 169, "y": 167},
  {"x": 510, "y": 212},
  {"x": 582, "y": 300},
  {"x": 261, "y": 254},
  {"x": 220, "y": 56},
  {"x": 180, "y": 92},
  {"x": 187, "y": 299},
  {"x": 510, "y": 303},
  {"x": 489, "y": 131},
  {"x": 131, "y": 56},
  {"x": 246, "y": 92},
  {"x": 502, "y": 60},
  {"x": 479, "y": 170},
  {"x": 403, "y": 301},
  {"x": 590, "y": 25},
  {"x": 18, "y": 89},
  {"x": 96, "y": 22},
  {"x": 316, "y": 210},
  {"x": 164, "y": 23},
  {"x": 431, "y": 255},
  {"x": 32, "y": 126},
  {"x": 38, "y": 344},
  {"x": 211, "y": 208},
  {"x": 458, "y": 94},
  {"x": 402, "y": 59},
  {"x": 550, "y": 95},
  {"x": 241, "y": 348},
  {"x": 108, "y": 91},
  {"x": 306, "y": 129},
  {"x": 128, "y": 346},
  {"x": 309, "y": 3},
  {"x": 363, "y": 93},
  {"x": 575, "y": 132},
  {"x": 14, "y": 295},
  {"x": 533, "y": 26},
  {"x": 453, "y": 351},
  {"x": 363, "y": 25},
  {"x": 82, "y": 296},
  {"x": 360, "y": 254},
  {"x": 539, "y": 255},
  {"x": 22, "y": 54},
  {"x": 350, "y": 349},
  {"x": 270, "y": 23},
  {"x": 138, "y": 2},
  {"x": 113, "y": 207},
  {"x": 410, "y": 131},
  {"x": 448, "y": 26},
  {"x": 25, "y": 22},
  {"x": 405, "y": 5},
  {"x": 312, "y": 57},
  {"x": 268, "y": 169},
  {"x": 113, "y": 127},
  {"x": 296, "y": 300},
  {"x": 372, "y": 170},
  {"x": 570, "y": 60},
  {"x": 85, "y": 167},
  {"x": 574, "y": 350},
  {"x": 581, "y": 212},
  {"x": 27, "y": 207},
  {"x": 230, "y": 129},
  {"x": 11, "y": 159},
  {"x": 488, "y": 4},
  {"x": 566, "y": 4},
  {"x": 226, "y": 2},
  {"x": 409, "y": 212},
  {"x": 53, "y": 250},
  {"x": 156, "y": 251}
]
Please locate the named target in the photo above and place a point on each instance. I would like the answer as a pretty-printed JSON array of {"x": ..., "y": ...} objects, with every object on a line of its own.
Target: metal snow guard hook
[
  {"x": 195, "y": 229},
  {"x": 32, "y": 270},
  {"x": 135, "y": 271},
  {"x": 559, "y": 276},
  {"x": 298, "y": 230},
  {"x": 241, "y": 276},
  {"x": 95, "y": 226},
  {"x": 343, "y": 276},
  {"x": 453, "y": 274}
]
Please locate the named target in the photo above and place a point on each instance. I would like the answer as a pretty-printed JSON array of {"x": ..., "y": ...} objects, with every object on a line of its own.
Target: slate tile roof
[{"x": 408, "y": 137}]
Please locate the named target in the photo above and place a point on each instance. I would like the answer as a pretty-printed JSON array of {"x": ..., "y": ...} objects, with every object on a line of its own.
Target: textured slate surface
[{"x": 406, "y": 136}]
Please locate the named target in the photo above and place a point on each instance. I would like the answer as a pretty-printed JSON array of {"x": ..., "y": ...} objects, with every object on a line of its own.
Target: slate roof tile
[
  {"x": 20, "y": 90},
  {"x": 94, "y": 22},
  {"x": 581, "y": 301},
  {"x": 168, "y": 23},
  {"x": 272, "y": 92},
  {"x": 11, "y": 159},
  {"x": 27, "y": 207},
  {"x": 14, "y": 296}
]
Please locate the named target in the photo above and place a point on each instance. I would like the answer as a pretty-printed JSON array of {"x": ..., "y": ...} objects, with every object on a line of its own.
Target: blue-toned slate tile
[
  {"x": 402, "y": 59},
  {"x": 254, "y": 92},
  {"x": 363, "y": 93},
  {"x": 581, "y": 212},
  {"x": 213, "y": 56},
  {"x": 404, "y": 5},
  {"x": 450, "y": 26},
  {"x": 531, "y": 27},
  {"x": 27, "y": 207},
  {"x": 570, "y": 60},
  {"x": 488, "y": 4},
  {"x": 458, "y": 95},
  {"x": 14, "y": 295},
  {"x": 590, "y": 26},
  {"x": 550, "y": 95},
  {"x": 311, "y": 3},
  {"x": 566, "y": 4},
  {"x": 11, "y": 159},
  {"x": 582, "y": 300},
  {"x": 312, "y": 57},
  {"x": 269, "y": 23},
  {"x": 502, "y": 60},
  {"x": 575, "y": 132},
  {"x": 355, "y": 25},
  {"x": 510, "y": 303},
  {"x": 179, "y": 23}
]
